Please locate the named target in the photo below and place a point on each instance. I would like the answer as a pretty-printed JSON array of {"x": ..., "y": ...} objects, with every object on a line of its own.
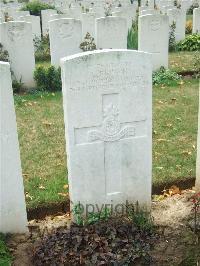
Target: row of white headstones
[
  {"x": 108, "y": 123},
  {"x": 107, "y": 102},
  {"x": 110, "y": 32}
]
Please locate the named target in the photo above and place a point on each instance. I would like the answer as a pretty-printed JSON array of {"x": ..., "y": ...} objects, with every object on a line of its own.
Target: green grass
[
  {"x": 181, "y": 61},
  {"x": 189, "y": 17},
  {"x": 178, "y": 61},
  {"x": 43, "y": 63},
  {"x": 42, "y": 143},
  {"x": 5, "y": 257},
  {"x": 175, "y": 130}
]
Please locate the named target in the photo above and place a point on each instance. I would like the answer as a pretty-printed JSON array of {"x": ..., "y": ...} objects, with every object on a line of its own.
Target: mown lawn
[
  {"x": 178, "y": 61},
  {"x": 5, "y": 256},
  {"x": 181, "y": 61},
  {"x": 42, "y": 143}
]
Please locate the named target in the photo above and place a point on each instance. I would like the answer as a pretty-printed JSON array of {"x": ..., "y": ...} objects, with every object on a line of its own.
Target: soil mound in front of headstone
[{"x": 112, "y": 242}]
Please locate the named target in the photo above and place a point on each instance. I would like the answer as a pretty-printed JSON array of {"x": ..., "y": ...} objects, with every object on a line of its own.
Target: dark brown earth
[{"x": 175, "y": 243}]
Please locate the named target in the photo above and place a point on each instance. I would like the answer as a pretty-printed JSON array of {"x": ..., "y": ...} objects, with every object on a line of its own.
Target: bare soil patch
[{"x": 174, "y": 243}]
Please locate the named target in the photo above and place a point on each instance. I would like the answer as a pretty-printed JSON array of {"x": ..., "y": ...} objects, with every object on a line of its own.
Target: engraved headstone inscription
[
  {"x": 65, "y": 38},
  {"x": 152, "y": 28},
  {"x": 111, "y": 32},
  {"x": 108, "y": 124},
  {"x": 18, "y": 41}
]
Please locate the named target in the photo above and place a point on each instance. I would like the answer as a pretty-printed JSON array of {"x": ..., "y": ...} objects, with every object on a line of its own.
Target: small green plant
[
  {"x": 92, "y": 217},
  {"x": 48, "y": 79},
  {"x": 42, "y": 48},
  {"x": 5, "y": 257},
  {"x": 132, "y": 38},
  {"x": 78, "y": 214},
  {"x": 108, "y": 9},
  {"x": 140, "y": 217},
  {"x": 172, "y": 39},
  {"x": 35, "y": 7},
  {"x": 4, "y": 56},
  {"x": 17, "y": 85},
  {"x": 88, "y": 43},
  {"x": 165, "y": 77},
  {"x": 191, "y": 43}
]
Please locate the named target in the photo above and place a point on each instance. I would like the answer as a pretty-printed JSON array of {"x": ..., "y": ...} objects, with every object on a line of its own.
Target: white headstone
[
  {"x": 130, "y": 14},
  {"x": 164, "y": 9},
  {"x": 149, "y": 12},
  {"x": 111, "y": 32},
  {"x": 18, "y": 41},
  {"x": 35, "y": 23},
  {"x": 18, "y": 14},
  {"x": 65, "y": 38},
  {"x": 59, "y": 16},
  {"x": 153, "y": 37},
  {"x": 151, "y": 4},
  {"x": 1, "y": 20},
  {"x": 13, "y": 217},
  {"x": 46, "y": 17},
  {"x": 108, "y": 126},
  {"x": 179, "y": 17},
  {"x": 196, "y": 20},
  {"x": 88, "y": 24}
]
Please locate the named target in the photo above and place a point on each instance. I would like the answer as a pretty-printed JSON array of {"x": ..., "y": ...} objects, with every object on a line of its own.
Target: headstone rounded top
[{"x": 105, "y": 51}]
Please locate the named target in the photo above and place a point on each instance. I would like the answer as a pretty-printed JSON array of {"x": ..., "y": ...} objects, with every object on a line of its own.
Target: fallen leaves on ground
[{"x": 113, "y": 242}]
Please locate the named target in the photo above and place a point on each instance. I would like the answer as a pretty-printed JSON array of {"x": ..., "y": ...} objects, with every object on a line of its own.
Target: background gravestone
[
  {"x": 35, "y": 23},
  {"x": 46, "y": 17},
  {"x": 12, "y": 202},
  {"x": 107, "y": 99},
  {"x": 65, "y": 38},
  {"x": 152, "y": 28},
  {"x": 111, "y": 32},
  {"x": 17, "y": 39},
  {"x": 179, "y": 17},
  {"x": 88, "y": 23},
  {"x": 196, "y": 20}
]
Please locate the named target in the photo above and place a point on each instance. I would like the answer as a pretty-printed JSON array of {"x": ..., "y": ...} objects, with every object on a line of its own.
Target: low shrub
[
  {"x": 35, "y": 7},
  {"x": 5, "y": 257},
  {"x": 4, "y": 56},
  {"x": 48, "y": 79},
  {"x": 132, "y": 38},
  {"x": 165, "y": 77},
  {"x": 17, "y": 85},
  {"x": 42, "y": 48},
  {"x": 188, "y": 27},
  {"x": 88, "y": 43},
  {"x": 172, "y": 40},
  {"x": 191, "y": 43}
]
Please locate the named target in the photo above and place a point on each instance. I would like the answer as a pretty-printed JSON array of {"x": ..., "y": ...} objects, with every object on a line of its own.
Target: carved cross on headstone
[{"x": 111, "y": 132}]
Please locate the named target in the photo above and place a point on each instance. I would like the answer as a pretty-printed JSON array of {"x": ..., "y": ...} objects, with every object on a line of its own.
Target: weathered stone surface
[
  {"x": 17, "y": 39},
  {"x": 65, "y": 38},
  {"x": 111, "y": 32},
  {"x": 152, "y": 28},
  {"x": 12, "y": 203},
  {"x": 108, "y": 127},
  {"x": 196, "y": 20}
]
